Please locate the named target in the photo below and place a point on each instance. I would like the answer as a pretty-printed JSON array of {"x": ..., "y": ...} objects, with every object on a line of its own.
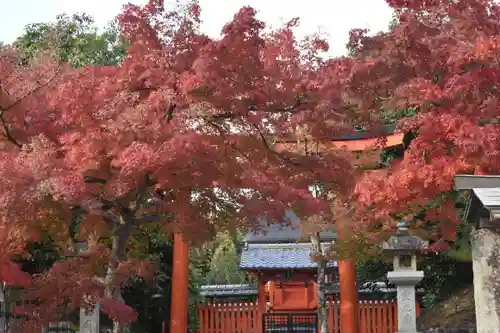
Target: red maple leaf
[{"x": 118, "y": 311}]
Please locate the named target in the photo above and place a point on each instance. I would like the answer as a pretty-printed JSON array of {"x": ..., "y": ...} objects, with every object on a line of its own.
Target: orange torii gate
[{"x": 347, "y": 268}]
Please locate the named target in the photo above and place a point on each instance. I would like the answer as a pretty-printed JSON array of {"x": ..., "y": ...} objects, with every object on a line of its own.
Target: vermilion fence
[
  {"x": 229, "y": 318},
  {"x": 374, "y": 317},
  {"x": 377, "y": 316}
]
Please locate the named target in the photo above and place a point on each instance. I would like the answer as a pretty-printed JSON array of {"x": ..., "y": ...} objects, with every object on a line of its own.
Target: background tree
[
  {"x": 73, "y": 39},
  {"x": 225, "y": 261}
]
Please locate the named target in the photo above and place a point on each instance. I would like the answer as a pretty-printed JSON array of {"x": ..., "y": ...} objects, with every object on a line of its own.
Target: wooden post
[
  {"x": 348, "y": 297},
  {"x": 180, "y": 286},
  {"x": 261, "y": 303},
  {"x": 262, "y": 295}
]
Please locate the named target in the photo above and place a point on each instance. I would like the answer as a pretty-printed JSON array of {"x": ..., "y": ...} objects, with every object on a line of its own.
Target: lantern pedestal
[
  {"x": 405, "y": 282},
  {"x": 404, "y": 248}
]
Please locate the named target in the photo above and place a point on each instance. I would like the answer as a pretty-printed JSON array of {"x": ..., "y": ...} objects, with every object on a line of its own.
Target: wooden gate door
[{"x": 290, "y": 323}]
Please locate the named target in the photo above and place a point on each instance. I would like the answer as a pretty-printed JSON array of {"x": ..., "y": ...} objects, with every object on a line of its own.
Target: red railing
[
  {"x": 229, "y": 318},
  {"x": 234, "y": 317}
]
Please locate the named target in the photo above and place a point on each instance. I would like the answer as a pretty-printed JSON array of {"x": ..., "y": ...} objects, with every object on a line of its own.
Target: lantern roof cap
[{"x": 403, "y": 242}]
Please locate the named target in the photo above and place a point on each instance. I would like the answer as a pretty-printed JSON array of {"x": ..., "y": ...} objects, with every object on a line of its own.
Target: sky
[{"x": 333, "y": 17}]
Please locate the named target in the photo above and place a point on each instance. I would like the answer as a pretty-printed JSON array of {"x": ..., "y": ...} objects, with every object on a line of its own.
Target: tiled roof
[
  {"x": 278, "y": 256},
  {"x": 490, "y": 197},
  {"x": 469, "y": 182},
  {"x": 276, "y": 233},
  {"x": 331, "y": 288},
  {"x": 334, "y": 288},
  {"x": 366, "y": 288},
  {"x": 482, "y": 202},
  {"x": 228, "y": 290}
]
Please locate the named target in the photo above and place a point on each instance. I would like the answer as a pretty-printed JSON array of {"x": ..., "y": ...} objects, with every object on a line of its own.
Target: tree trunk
[
  {"x": 4, "y": 307},
  {"x": 321, "y": 261},
  {"x": 115, "y": 293},
  {"x": 322, "y": 309},
  {"x": 117, "y": 327},
  {"x": 118, "y": 253}
]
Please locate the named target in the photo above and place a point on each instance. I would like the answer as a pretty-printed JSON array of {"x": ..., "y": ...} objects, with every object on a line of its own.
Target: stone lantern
[{"x": 404, "y": 249}]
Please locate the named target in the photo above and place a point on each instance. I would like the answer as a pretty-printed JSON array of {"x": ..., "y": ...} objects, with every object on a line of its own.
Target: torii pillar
[
  {"x": 349, "y": 319},
  {"x": 180, "y": 286},
  {"x": 348, "y": 296}
]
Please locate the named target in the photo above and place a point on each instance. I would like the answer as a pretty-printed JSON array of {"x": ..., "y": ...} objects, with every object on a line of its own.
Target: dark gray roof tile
[
  {"x": 278, "y": 256},
  {"x": 490, "y": 197},
  {"x": 227, "y": 290}
]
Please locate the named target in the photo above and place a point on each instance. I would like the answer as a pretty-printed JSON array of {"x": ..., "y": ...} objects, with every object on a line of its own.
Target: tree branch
[
  {"x": 6, "y": 130},
  {"x": 316, "y": 245},
  {"x": 267, "y": 145},
  {"x": 31, "y": 92},
  {"x": 148, "y": 218},
  {"x": 231, "y": 115},
  {"x": 317, "y": 252},
  {"x": 170, "y": 113}
]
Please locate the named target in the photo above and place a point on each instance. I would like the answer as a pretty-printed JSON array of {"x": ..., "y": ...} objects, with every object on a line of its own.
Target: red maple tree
[
  {"x": 440, "y": 59},
  {"x": 178, "y": 137}
]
